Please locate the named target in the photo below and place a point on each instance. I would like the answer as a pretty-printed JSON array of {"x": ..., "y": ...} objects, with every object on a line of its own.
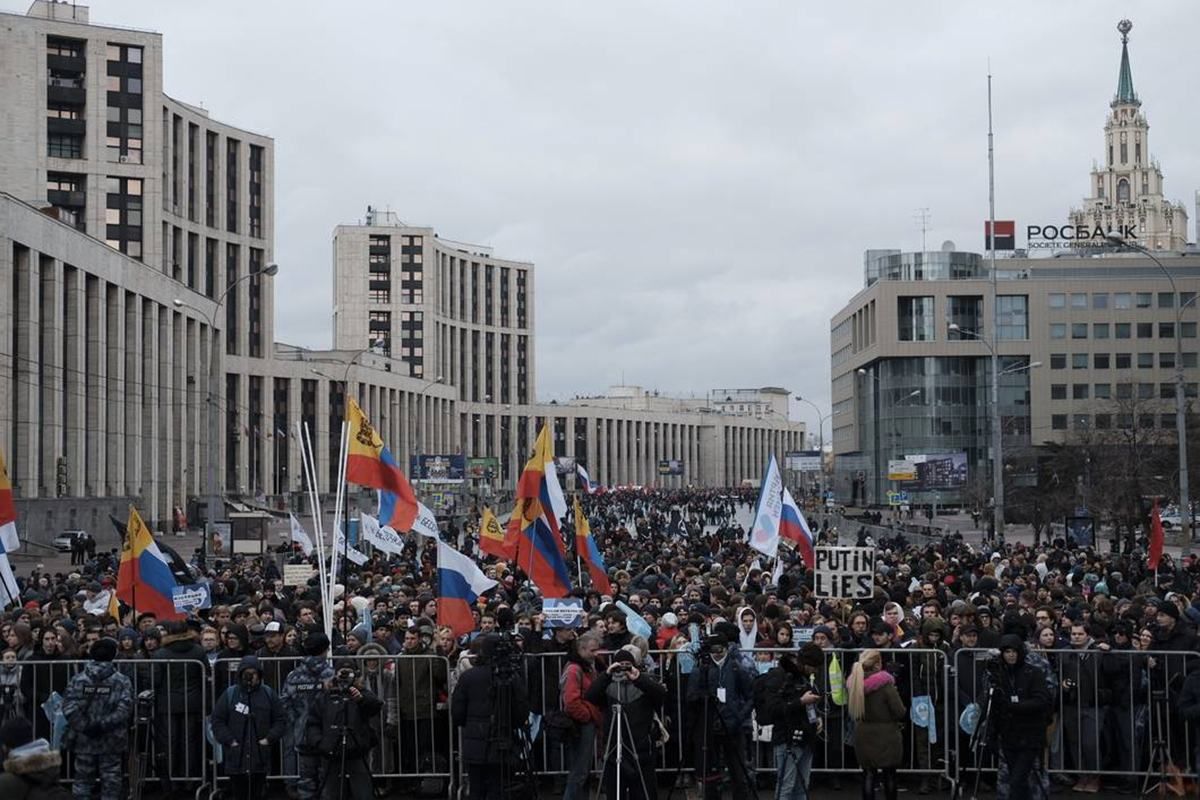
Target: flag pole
[
  {"x": 308, "y": 463},
  {"x": 337, "y": 514}
]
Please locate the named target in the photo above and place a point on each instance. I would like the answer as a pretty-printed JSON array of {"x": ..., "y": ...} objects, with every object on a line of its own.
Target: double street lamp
[
  {"x": 1185, "y": 507},
  {"x": 212, "y": 370}
]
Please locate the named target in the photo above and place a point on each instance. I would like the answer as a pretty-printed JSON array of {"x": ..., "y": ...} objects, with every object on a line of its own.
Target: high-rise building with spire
[{"x": 1128, "y": 189}]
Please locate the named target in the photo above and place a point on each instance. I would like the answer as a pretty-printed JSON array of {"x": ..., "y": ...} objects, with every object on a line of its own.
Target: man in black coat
[
  {"x": 488, "y": 749},
  {"x": 639, "y": 696},
  {"x": 1021, "y": 701},
  {"x": 340, "y": 728},
  {"x": 179, "y": 675}
]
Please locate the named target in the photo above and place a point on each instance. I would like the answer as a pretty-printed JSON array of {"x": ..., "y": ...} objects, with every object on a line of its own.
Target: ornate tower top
[{"x": 1125, "y": 94}]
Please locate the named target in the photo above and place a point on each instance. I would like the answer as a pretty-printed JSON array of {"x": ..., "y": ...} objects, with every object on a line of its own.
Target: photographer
[
  {"x": 339, "y": 729},
  {"x": 720, "y": 698},
  {"x": 639, "y": 695},
  {"x": 1021, "y": 702},
  {"x": 301, "y": 689},
  {"x": 246, "y": 721},
  {"x": 789, "y": 707},
  {"x": 487, "y": 742},
  {"x": 97, "y": 706}
]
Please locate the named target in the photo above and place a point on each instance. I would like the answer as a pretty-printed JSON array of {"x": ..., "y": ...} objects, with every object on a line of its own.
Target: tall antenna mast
[{"x": 922, "y": 216}]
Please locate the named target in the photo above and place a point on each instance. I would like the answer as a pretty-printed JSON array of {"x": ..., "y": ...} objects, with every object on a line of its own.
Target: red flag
[{"x": 1156, "y": 538}]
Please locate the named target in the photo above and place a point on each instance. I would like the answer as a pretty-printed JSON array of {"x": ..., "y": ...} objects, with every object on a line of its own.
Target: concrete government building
[
  {"x": 137, "y": 237},
  {"x": 1086, "y": 336}
]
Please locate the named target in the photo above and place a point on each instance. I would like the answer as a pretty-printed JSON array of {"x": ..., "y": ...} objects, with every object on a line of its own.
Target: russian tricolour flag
[
  {"x": 460, "y": 582},
  {"x": 794, "y": 527},
  {"x": 144, "y": 579},
  {"x": 585, "y": 480}
]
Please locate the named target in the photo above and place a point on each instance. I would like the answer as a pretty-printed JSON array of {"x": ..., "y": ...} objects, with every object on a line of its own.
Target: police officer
[
  {"x": 339, "y": 727},
  {"x": 98, "y": 704},
  {"x": 301, "y": 689}
]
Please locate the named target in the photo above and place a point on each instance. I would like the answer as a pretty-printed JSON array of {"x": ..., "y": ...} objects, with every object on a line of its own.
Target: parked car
[{"x": 62, "y": 543}]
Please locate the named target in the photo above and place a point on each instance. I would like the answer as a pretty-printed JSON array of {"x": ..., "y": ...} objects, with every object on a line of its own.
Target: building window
[
  {"x": 1124, "y": 360},
  {"x": 1145, "y": 360},
  {"x": 1102, "y": 391},
  {"x": 210, "y": 179},
  {"x": 1145, "y": 330},
  {"x": 1166, "y": 330},
  {"x": 1012, "y": 317},
  {"x": 1057, "y": 300},
  {"x": 61, "y": 145},
  {"x": 1079, "y": 330},
  {"x": 255, "y": 295},
  {"x": 1058, "y": 422},
  {"x": 1079, "y": 300},
  {"x": 1100, "y": 300},
  {"x": 1100, "y": 330},
  {"x": 233, "y": 257},
  {"x": 1166, "y": 361},
  {"x": 1100, "y": 360},
  {"x": 1145, "y": 391},
  {"x": 1079, "y": 360},
  {"x": 66, "y": 192},
  {"x": 379, "y": 332},
  {"x": 123, "y": 215},
  {"x": 231, "y": 185},
  {"x": 1081, "y": 422},
  {"x": 1058, "y": 391},
  {"x": 1122, "y": 301},
  {"x": 1122, "y": 330},
  {"x": 1124, "y": 391},
  {"x": 124, "y": 137},
  {"x": 1058, "y": 330},
  {"x": 256, "y": 190},
  {"x": 1079, "y": 391},
  {"x": 1166, "y": 299},
  {"x": 1145, "y": 299},
  {"x": 1058, "y": 361},
  {"x": 916, "y": 319}
]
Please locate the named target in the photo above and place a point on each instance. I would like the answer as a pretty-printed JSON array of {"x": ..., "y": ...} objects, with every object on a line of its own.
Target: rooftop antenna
[{"x": 922, "y": 216}]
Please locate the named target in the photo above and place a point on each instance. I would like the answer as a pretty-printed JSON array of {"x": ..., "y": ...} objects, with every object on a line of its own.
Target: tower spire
[{"x": 1125, "y": 94}]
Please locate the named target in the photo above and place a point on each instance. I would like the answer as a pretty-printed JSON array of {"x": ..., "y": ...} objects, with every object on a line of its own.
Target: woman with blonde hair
[{"x": 878, "y": 711}]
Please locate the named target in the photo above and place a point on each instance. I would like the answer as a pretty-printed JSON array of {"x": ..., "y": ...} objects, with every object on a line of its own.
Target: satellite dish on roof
[{"x": 948, "y": 246}]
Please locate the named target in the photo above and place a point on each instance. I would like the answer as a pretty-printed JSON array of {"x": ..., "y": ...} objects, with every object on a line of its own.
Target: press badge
[
  {"x": 242, "y": 708},
  {"x": 1014, "y": 699},
  {"x": 720, "y": 694}
]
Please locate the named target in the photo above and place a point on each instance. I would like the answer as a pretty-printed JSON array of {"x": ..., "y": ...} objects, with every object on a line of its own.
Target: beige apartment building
[{"x": 134, "y": 229}]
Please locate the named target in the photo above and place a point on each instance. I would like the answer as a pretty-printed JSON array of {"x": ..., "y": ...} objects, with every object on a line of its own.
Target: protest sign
[
  {"x": 844, "y": 572},
  {"x": 297, "y": 574},
  {"x": 191, "y": 598},
  {"x": 564, "y": 612}
]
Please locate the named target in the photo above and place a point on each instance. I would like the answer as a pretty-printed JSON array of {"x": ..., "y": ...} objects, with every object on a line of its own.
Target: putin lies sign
[{"x": 844, "y": 573}]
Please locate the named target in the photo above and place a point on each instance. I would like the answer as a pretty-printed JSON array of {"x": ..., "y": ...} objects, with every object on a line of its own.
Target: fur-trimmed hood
[{"x": 40, "y": 767}]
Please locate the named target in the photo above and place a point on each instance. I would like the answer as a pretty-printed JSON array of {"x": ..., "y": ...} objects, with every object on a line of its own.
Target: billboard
[
  {"x": 670, "y": 466},
  {"x": 438, "y": 468},
  {"x": 936, "y": 471},
  {"x": 483, "y": 468},
  {"x": 901, "y": 470},
  {"x": 802, "y": 460}
]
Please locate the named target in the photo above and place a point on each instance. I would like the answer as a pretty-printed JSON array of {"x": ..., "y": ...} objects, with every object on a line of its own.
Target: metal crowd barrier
[
  {"x": 166, "y": 723},
  {"x": 1115, "y": 714},
  {"x": 919, "y": 673},
  {"x": 414, "y": 738}
]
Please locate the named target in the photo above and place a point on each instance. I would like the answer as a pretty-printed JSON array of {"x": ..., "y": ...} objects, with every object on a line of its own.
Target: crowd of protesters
[{"x": 1112, "y": 642}]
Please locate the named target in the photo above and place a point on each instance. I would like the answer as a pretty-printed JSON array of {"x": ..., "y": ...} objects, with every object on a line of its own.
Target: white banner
[
  {"x": 426, "y": 523},
  {"x": 764, "y": 535},
  {"x": 300, "y": 536},
  {"x": 339, "y": 547},
  {"x": 844, "y": 572},
  {"x": 382, "y": 537}
]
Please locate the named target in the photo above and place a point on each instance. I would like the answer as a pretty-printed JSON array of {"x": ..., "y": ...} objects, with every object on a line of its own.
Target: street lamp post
[
  {"x": 1185, "y": 507},
  {"x": 997, "y": 433},
  {"x": 418, "y": 440},
  {"x": 212, "y": 370},
  {"x": 820, "y": 444}
]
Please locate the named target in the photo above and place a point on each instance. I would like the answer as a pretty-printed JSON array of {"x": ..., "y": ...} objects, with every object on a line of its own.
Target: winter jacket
[
  {"x": 471, "y": 710},
  {"x": 277, "y": 665},
  {"x": 421, "y": 682},
  {"x": 32, "y": 776},
  {"x": 303, "y": 686},
  {"x": 705, "y": 679},
  {"x": 336, "y": 718},
  {"x": 179, "y": 687},
  {"x": 241, "y": 718},
  {"x": 11, "y": 700},
  {"x": 639, "y": 701},
  {"x": 878, "y": 741},
  {"x": 97, "y": 705},
  {"x": 1189, "y": 701},
  {"x": 576, "y": 680},
  {"x": 1021, "y": 702},
  {"x": 1083, "y": 668}
]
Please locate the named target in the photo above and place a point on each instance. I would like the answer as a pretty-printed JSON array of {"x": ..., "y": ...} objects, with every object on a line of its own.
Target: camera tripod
[
  {"x": 1160, "y": 764},
  {"x": 617, "y": 747},
  {"x": 510, "y": 737},
  {"x": 144, "y": 737},
  {"x": 343, "y": 746},
  {"x": 978, "y": 746}
]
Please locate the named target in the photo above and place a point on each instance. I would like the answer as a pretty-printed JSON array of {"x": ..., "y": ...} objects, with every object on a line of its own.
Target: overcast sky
[{"x": 695, "y": 181}]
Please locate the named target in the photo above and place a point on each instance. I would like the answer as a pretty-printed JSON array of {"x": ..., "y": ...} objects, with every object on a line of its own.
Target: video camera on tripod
[{"x": 143, "y": 707}]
